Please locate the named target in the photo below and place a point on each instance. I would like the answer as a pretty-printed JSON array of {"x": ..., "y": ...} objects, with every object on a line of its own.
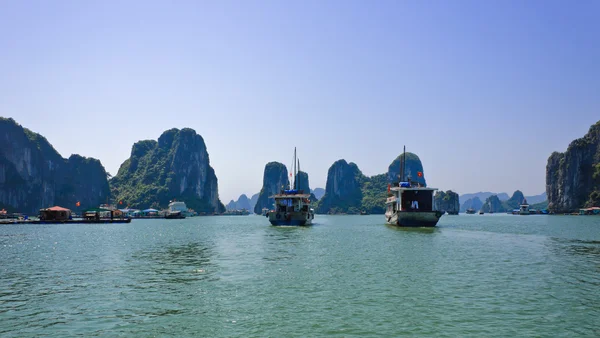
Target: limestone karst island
[
  {"x": 171, "y": 177},
  {"x": 299, "y": 168}
]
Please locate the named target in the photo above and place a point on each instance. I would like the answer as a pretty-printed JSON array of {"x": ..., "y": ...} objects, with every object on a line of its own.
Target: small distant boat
[
  {"x": 410, "y": 205},
  {"x": 364, "y": 212},
  {"x": 470, "y": 211},
  {"x": 292, "y": 206},
  {"x": 481, "y": 212}
]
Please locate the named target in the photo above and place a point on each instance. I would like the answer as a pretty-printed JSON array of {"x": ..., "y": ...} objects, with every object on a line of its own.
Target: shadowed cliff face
[
  {"x": 573, "y": 177},
  {"x": 343, "y": 189},
  {"x": 447, "y": 201},
  {"x": 175, "y": 167},
  {"x": 33, "y": 175},
  {"x": 413, "y": 167},
  {"x": 493, "y": 204},
  {"x": 275, "y": 178}
]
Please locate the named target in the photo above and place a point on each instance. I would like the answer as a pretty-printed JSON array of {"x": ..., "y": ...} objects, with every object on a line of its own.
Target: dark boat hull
[
  {"x": 414, "y": 218},
  {"x": 290, "y": 219}
]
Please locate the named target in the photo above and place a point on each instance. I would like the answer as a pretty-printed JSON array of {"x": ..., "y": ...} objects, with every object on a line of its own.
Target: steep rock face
[
  {"x": 515, "y": 201},
  {"x": 573, "y": 177},
  {"x": 33, "y": 175},
  {"x": 253, "y": 201},
  {"x": 275, "y": 178},
  {"x": 493, "y": 204},
  {"x": 343, "y": 189},
  {"x": 472, "y": 203},
  {"x": 447, "y": 202},
  {"x": 302, "y": 183},
  {"x": 413, "y": 167},
  {"x": 175, "y": 167}
]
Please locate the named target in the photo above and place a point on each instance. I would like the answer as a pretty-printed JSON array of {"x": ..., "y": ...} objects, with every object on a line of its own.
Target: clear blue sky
[{"x": 482, "y": 91}]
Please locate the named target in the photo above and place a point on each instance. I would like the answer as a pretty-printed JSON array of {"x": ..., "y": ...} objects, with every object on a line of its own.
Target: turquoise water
[{"x": 490, "y": 275}]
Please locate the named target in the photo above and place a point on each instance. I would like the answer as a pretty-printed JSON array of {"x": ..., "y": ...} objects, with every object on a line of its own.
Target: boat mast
[{"x": 403, "y": 165}]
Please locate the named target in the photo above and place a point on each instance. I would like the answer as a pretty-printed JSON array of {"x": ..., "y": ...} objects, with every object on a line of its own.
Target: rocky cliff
[
  {"x": 472, "y": 203},
  {"x": 349, "y": 191},
  {"x": 413, "y": 167},
  {"x": 514, "y": 202},
  {"x": 343, "y": 189},
  {"x": 447, "y": 202},
  {"x": 275, "y": 178},
  {"x": 33, "y": 175},
  {"x": 573, "y": 177},
  {"x": 302, "y": 183},
  {"x": 175, "y": 167},
  {"x": 493, "y": 204}
]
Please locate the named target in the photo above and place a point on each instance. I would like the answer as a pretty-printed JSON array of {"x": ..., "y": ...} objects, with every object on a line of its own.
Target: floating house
[
  {"x": 55, "y": 213},
  {"x": 590, "y": 211}
]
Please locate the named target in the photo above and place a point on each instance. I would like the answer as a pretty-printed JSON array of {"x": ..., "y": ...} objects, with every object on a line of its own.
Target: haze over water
[{"x": 490, "y": 275}]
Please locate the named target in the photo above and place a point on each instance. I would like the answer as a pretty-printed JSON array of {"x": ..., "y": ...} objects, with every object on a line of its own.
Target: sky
[{"x": 482, "y": 91}]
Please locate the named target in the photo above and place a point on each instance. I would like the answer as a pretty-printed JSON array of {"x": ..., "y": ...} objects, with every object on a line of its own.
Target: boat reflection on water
[{"x": 424, "y": 230}]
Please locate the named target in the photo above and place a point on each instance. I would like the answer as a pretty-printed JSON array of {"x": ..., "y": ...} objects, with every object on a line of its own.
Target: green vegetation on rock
[
  {"x": 33, "y": 175},
  {"x": 573, "y": 177},
  {"x": 447, "y": 202},
  {"x": 175, "y": 167}
]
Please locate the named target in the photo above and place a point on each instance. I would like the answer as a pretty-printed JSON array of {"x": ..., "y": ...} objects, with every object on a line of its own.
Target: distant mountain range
[
  {"x": 243, "y": 202},
  {"x": 475, "y": 200}
]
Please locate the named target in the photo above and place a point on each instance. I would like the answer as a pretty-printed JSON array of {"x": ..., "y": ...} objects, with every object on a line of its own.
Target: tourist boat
[
  {"x": 470, "y": 211},
  {"x": 410, "y": 205},
  {"x": 524, "y": 208},
  {"x": 292, "y": 206},
  {"x": 180, "y": 206}
]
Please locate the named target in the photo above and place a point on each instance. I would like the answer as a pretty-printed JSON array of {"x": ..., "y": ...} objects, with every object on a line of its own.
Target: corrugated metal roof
[{"x": 57, "y": 208}]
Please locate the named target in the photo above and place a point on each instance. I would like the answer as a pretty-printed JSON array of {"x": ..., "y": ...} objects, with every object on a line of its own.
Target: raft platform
[{"x": 71, "y": 221}]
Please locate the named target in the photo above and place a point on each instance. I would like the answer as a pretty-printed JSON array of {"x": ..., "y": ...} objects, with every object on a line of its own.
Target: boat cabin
[
  {"x": 292, "y": 200},
  {"x": 406, "y": 197},
  {"x": 55, "y": 213}
]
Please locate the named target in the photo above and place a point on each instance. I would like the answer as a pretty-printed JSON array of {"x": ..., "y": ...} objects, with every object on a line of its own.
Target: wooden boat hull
[
  {"x": 290, "y": 218},
  {"x": 414, "y": 218}
]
